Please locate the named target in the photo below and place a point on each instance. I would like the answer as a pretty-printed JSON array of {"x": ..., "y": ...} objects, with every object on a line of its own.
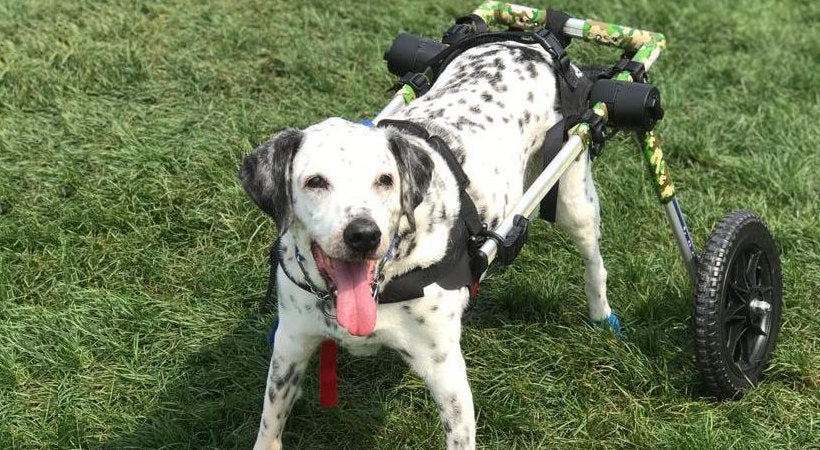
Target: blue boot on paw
[{"x": 611, "y": 323}]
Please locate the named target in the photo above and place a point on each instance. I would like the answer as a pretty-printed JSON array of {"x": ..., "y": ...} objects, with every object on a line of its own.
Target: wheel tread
[{"x": 706, "y": 320}]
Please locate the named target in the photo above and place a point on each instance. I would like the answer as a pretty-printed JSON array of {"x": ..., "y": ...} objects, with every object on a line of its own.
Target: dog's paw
[
  {"x": 611, "y": 323},
  {"x": 275, "y": 444}
]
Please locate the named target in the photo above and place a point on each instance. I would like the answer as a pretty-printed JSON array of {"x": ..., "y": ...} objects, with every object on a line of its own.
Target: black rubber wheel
[{"x": 737, "y": 304}]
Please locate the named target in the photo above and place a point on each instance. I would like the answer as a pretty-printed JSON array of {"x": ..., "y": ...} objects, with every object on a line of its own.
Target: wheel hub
[{"x": 746, "y": 309}]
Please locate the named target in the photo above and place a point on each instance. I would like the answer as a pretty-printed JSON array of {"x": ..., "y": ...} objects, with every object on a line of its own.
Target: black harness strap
[
  {"x": 455, "y": 269},
  {"x": 553, "y": 142}
]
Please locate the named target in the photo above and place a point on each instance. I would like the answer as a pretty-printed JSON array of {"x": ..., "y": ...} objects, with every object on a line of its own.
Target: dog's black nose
[{"x": 362, "y": 235}]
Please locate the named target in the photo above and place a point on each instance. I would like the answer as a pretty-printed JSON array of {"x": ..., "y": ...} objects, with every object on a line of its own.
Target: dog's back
[{"x": 493, "y": 104}]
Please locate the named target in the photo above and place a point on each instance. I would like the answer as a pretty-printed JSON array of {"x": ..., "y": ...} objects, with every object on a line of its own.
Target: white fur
[{"x": 496, "y": 123}]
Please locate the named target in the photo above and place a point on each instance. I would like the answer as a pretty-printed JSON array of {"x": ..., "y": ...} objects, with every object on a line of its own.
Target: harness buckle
[
  {"x": 636, "y": 69},
  {"x": 597, "y": 132},
  {"x": 550, "y": 42},
  {"x": 457, "y": 32},
  {"x": 510, "y": 246},
  {"x": 418, "y": 81}
]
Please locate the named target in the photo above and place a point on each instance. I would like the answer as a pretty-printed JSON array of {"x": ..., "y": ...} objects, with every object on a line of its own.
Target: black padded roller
[{"x": 631, "y": 106}]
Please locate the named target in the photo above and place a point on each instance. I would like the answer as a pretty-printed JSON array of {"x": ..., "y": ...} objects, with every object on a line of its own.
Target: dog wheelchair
[{"x": 737, "y": 277}]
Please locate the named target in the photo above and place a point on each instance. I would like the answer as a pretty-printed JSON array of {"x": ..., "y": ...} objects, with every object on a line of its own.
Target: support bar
[{"x": 537, "y": 191}]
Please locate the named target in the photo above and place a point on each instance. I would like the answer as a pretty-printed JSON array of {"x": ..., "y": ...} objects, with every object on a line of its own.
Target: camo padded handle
[{"x": 646, "y": 45}]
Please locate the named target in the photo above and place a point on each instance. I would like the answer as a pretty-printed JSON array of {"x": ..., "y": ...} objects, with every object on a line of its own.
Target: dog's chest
[{"x": 493, "y": 104}]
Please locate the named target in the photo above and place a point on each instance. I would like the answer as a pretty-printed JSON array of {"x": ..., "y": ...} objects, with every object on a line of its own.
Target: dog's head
[{"x": 341, "y": 188}]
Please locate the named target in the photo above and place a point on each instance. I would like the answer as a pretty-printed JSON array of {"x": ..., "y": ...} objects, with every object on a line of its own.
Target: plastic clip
[
  {"x": 510, "y": 246},
  {"x": 418, "y": 81},
  {"x": 635, "y": 68},
  {"x": 597, "y": 132}
]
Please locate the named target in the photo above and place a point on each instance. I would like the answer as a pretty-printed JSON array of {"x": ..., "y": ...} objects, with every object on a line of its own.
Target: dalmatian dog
[{"x": 342, "y": 194}]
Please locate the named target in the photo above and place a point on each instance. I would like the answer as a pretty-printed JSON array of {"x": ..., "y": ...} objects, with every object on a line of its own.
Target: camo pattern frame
[
  {"x": 658, "y": 170},
  {"x": 511, "y": 15},
  {"x": 645, "y": 48}
]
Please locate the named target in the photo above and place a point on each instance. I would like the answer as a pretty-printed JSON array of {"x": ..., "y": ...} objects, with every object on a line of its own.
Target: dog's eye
[
  {"x": 385, "y": 180},
  {"x": 317, "y": 182}
]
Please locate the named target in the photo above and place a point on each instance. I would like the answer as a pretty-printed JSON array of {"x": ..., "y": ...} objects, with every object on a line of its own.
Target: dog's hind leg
[
  {"x": 578, "y": 213},
  {"x": 291, "y": 353}
]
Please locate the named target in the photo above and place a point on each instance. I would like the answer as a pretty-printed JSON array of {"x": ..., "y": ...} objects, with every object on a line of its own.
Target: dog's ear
[
  {"x": 266, "y": 175},
  {"x": 415, "y": 170}
]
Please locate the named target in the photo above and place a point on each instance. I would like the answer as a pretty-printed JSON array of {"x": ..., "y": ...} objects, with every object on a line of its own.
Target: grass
[{"x": 132, "y": 265}]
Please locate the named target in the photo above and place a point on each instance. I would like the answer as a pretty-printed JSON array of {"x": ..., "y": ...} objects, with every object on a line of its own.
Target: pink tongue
[{"x": 355, "y": 306}]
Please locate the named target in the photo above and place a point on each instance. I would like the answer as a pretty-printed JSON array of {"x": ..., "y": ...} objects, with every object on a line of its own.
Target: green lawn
[{"x": 132, "y": 265}]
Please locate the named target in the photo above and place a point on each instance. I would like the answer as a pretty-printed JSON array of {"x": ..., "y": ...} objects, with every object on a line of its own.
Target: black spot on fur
[
  {"x": 446, "y": 425},
  {"x": 488, "y": 53},
  {"x": 439, "y": 358},
  {"x": 499, "y": 64},
  {"x": 286, "y": 377},
  {"x": 527, "y": 116},
  {"x": 465, "y": 122},
  {"x": 528, "y": 54},
  {"x": 406, "y": 308},
  {"x": 462, "y": 101},
  {"x": 271, "y": 395},
  {"x": 531, "y": 69},
  {"x": 486, "y": 96},
  {"x": 475, "y": 109},
  {"x": 456, "y": 406},
  {"x": 529, "y": 96},
  {"x": 489, "y": 119},
  {"x": 420, "y": 320},
  {"x": 411, "y": 245}
]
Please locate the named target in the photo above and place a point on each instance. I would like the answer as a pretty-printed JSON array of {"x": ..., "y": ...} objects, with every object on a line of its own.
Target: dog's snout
[{"x": 362, "y": 235}]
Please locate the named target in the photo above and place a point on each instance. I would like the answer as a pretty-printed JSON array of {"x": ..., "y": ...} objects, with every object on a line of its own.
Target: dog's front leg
[
  {"x": 447, "y": 382},
  {"x": 291, "y": 353},
  {"x": 440, "y": 364}
]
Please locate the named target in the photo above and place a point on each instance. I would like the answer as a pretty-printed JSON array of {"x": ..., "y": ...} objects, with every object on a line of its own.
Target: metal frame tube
[
  {"x": 684, "y": 240},
  {"x": 532, "y": 197}
]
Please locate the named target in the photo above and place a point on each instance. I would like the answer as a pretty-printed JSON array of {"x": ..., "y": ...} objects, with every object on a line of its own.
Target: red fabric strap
[{"x": 328, "y": 388}]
